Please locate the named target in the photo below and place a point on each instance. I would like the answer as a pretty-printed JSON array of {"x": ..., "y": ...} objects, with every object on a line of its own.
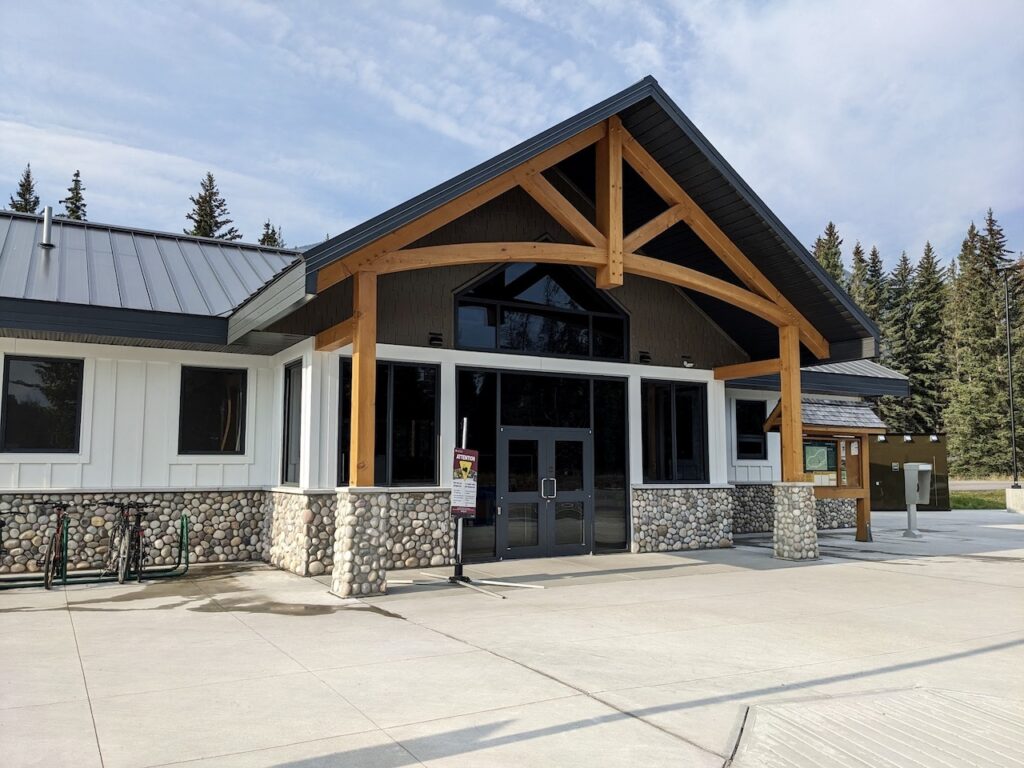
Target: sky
[{"x": 900, "y": 121}]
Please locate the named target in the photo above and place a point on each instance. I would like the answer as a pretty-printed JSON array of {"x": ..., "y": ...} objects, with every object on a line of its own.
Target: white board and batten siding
[
  {"x": 768, "y": 470},
  {"x": 129, "y": 424}
]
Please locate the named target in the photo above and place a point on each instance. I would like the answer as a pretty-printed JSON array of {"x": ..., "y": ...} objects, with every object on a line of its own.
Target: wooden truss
[{"x": 603, "y": 246}]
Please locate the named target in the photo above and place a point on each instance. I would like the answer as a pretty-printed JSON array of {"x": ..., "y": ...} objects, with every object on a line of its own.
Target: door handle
[{"x": 543, "y": 487}]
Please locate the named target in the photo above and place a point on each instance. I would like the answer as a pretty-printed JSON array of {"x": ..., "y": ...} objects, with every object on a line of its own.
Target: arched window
[{"x": 540, "y": 309}]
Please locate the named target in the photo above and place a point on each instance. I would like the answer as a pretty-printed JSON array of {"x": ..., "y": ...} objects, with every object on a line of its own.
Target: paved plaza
[{"x": 898, "y": 652}]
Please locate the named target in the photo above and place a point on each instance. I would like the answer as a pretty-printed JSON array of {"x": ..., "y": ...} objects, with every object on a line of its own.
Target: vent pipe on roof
[{"x": 47, "y": 241}]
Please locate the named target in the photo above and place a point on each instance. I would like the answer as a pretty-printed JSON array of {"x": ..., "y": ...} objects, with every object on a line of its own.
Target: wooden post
[
  {"x": 864, "y": 503},
  {"x": 791, "y": 421},
  {"x": 609, "y": 202},
  {"x": 364, "y": 378}
]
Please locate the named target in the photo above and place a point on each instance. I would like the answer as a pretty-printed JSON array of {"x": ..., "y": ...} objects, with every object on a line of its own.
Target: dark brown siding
[{"x": 414, "y": 304}]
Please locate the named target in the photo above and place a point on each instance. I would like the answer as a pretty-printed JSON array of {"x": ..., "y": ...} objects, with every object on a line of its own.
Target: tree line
[
  {"x": 209, "y": 216},
  {"x": 945, "y": 328}
]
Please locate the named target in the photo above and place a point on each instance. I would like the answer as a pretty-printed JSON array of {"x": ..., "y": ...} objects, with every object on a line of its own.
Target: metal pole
[
  {"x": 458, "y": 522},
  {"x": 1009, "y": 376}
]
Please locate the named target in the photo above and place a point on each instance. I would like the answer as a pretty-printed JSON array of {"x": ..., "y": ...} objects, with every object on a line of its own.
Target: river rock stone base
[
  {"x": 796, "y": 524},
  {"x": 224, "y": 526},
  {"x": 299, "y": 532},
  {"x": 673, "y": 519},
  {"x": 755, "y": 508},
  {"x": 418, "y": 529},
  {"x": 836, "y": 513},
  {"x": 360, "y": 544}
]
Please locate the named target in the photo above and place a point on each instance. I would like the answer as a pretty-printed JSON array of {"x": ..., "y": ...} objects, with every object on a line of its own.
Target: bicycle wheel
[
  {"x": 50, "y": 561},
  {"x": 139, "y": 557},
  {"x": 122, "y": 559}
]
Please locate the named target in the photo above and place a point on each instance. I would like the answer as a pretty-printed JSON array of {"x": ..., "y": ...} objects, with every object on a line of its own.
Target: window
[
  {"x": 405, "y": 433},
  {"x": 674, "y": 432},
  {"x": 291, "y": 449},
  {"x": 540, "y": 309},
  {"x": 750, "y": 438},
  {"x": 212, "y": 413},
  {"x": 42, "y": 405}
]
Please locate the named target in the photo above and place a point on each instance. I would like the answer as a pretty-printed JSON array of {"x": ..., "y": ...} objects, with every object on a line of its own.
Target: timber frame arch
[{"x": 603, "y": 246}]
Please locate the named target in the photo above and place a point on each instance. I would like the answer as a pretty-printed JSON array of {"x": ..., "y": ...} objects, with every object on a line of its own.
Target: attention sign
[{"x": 464, "y": 482}]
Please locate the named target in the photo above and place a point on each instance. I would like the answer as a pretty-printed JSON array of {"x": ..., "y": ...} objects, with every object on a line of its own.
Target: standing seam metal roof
[{"x": 107, "y": 266}]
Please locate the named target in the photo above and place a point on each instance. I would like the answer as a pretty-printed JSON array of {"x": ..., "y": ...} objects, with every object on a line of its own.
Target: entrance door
[{"x": 545, "y": 491}]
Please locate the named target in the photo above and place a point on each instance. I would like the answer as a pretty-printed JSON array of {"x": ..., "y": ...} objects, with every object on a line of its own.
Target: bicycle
[
  {"x": 55, "y": 555},
  {"x": 127, "y": 539}
]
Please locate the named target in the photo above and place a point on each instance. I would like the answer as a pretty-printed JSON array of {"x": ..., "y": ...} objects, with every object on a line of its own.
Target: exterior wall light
[
  {"x": 687, "y": 361},
  {"x": 933, "y": 438},
  {"x": 644, "y": 358},
  {"x": 908, "y": 439},
  {"x": 882, "y": 439},
  {"x": 435, "y": 339}
]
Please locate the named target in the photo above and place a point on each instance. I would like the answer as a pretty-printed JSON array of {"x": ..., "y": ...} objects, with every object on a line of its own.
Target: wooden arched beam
[{"x": 582, "y": 256}]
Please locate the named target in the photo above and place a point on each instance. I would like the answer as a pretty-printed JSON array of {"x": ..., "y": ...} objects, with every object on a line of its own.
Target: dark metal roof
[
  {"x": 840, "y": 413},
  {"x": 104, "y": 266},
  {"x": 864, "y": 378},
  {"x": 669, "y": 136}
]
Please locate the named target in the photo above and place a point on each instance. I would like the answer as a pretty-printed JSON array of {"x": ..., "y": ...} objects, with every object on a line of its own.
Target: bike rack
[{"x": 91, "y": 576}]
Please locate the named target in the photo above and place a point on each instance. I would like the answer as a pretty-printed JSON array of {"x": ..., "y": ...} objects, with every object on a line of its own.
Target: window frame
[
  {"x": 701, "y": 388},
  {"x": 462, "y": 296},
  {"x": 762, "y": 436},
  {"x": 386, "y": 481},
  {"x": 242, "y": 416},
  {"x": 285, "y": 437},
  {"x": 4, "y": 419}
]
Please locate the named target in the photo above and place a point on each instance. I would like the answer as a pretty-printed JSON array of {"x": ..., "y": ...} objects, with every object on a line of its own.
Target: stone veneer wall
[
  {"x": 755, "y": 510},
  {"x": 418, "y": 529},
  {"x": 836, "y": 513},
  {"x": 671, "y": 519},
  {"x": 360, "y": 543},
  {"x": 796, "y": 527},
  {"x": 298, "y": 531},
  {"x": 224, "y": 526}
]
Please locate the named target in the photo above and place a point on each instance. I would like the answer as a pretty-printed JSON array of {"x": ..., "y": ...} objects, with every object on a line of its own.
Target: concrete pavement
[{"x": 666, "y": 659}]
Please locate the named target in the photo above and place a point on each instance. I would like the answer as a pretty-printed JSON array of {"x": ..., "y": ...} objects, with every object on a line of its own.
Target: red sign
[{"x": 464, "y": 469}]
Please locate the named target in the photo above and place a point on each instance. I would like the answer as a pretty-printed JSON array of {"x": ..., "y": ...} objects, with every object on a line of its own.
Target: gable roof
[
  {"x": 100, "y": 265},
  {"x": 667, "y": 134},
  {"x": 848, "y": 414}
]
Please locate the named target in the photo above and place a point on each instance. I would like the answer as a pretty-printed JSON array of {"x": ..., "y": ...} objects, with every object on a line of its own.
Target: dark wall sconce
[
  {"x": 688, "y": 361},
  {"x": 644, "y": 357},
  {"x": 435, "y": 339}
]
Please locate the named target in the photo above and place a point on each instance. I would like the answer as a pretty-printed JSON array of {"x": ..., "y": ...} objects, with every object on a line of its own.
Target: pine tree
[
  {"x": 930, "y": 372},
  {"x": 26, "y": 201},
  {"x": 976, "y": 414},
  {"x": 828, "y": 252},
  {"x": 875, "y": 287},
  {"x": 271, "y": 236},
  {"x": 74, "y": 203},
  {"x": 209, "y": 214},
  {"x": 858, "y": 275},
  {"x": 898, "y": 351}
]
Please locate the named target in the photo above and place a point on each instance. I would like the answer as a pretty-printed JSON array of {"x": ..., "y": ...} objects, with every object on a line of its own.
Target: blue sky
[{"x": 900, "y": 121}]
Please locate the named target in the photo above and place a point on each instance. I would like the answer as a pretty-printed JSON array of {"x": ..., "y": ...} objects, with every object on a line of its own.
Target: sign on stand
[{"x": 464, "y": 470}]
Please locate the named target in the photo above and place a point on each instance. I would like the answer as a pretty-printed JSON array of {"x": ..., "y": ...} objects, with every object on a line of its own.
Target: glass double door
[{"x": 545, "y": 491}]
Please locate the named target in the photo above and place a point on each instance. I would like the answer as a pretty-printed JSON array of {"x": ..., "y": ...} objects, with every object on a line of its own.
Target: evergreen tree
[
  {"x": 271, "y": 236},
  {"x": 828, "y": 252},
  {"x": 875, "y": 287},
  {"x": 976, "y": 415},
  {"x": 209, "y": 214},
  {"x": 930, "y": 373},
  {"x": 858, "y": 275},
  {"x": 74, "y": 203},
  {"x": 898, "y": 351},
  {"x": 26, "y": 201}
]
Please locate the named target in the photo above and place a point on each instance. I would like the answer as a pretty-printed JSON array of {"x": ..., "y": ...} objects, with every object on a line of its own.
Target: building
[{"x": 610, "y": 308}]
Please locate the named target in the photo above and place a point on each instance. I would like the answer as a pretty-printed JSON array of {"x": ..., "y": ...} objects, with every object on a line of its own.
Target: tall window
[
  {"x": 674, "y": 432},
  {"x": 751, "y": 443},
  {"x": 212, "y": 414},
  {"x": 42, "y": 405},
  {"x": 405, "y": 430},
  {"x": 291, "y": 449},
  {"x": 540, "y": 309}
]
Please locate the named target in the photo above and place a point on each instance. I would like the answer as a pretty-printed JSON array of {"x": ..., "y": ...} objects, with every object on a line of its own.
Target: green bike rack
[{"x": 92, "y": 577}]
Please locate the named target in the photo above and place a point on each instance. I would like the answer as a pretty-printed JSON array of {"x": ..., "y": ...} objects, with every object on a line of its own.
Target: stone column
[
  {"x": 796, "y": 522},
  {"x": 359, "y": 543}
]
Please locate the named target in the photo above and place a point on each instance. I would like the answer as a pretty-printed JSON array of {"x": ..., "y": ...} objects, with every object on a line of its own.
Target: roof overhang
[{"x": 862, "y": 379}]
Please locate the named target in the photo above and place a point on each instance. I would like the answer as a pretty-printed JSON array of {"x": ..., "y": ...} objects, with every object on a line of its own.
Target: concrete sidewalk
[{"x": 622, "y": 660}]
